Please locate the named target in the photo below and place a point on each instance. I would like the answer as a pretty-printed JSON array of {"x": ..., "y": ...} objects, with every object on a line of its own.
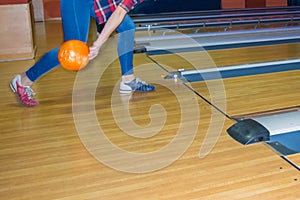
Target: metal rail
[
  {"x": 229, "y": 18},
  {"x": 215, "y": 14}
]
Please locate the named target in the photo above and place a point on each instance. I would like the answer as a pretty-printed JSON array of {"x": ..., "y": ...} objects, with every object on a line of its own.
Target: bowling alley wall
[
  {"x": 230, "y": 4},
  {"x": 50, "y": 8}
]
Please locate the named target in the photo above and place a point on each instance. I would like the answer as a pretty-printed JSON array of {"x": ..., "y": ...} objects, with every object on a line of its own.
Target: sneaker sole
[
  {"x": 126, "y": 91},
  {"x": 131, "y": 91},
  {"x": 12, "y": 88}
]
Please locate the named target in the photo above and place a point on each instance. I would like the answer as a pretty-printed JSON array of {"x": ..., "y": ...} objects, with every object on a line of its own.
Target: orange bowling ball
[{"x": 73, "y": 55}]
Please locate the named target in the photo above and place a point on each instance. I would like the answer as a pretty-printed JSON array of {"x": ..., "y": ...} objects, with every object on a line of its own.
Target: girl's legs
[{"x": 75, "y": 20}]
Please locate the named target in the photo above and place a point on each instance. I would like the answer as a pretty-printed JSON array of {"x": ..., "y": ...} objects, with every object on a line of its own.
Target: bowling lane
[
  {"x": 294, "y": 158},
  {"x": 229, "y": 57},
  {"x": 246, "y": 94}
]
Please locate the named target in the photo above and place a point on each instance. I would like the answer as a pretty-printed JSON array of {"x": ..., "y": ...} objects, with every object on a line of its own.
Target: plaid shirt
[{"x": 104, "y": 8}]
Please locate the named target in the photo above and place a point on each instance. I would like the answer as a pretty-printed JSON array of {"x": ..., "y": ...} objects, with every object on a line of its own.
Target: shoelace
[
  {"x": 29, "y": 92},
  {"x": 139, "y": 82}
]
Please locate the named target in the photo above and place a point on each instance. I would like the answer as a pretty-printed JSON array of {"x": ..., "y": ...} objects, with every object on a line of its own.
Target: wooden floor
[{"x": 169, "y": 144}]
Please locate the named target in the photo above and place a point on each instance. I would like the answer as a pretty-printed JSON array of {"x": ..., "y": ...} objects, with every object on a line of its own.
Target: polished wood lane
[
  {"x": 230, "y": 57},
  {"x": 295, "y": 158}
]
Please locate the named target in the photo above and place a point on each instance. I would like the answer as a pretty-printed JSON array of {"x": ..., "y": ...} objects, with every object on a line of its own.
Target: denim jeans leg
[{"x": 126, "y": 32}]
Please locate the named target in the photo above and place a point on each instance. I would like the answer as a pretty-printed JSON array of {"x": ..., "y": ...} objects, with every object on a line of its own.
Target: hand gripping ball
[{"x": 73, "y": 55}]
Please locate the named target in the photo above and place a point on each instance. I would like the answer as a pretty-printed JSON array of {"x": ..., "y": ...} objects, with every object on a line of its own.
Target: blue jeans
[{"x": 76, "y": 16}]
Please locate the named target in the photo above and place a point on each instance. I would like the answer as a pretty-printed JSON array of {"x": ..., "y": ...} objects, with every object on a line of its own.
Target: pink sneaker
[{"x": 24, "y": 93}]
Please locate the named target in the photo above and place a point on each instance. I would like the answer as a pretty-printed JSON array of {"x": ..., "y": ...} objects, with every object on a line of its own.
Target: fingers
[{"x": 94, "y": 51}]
